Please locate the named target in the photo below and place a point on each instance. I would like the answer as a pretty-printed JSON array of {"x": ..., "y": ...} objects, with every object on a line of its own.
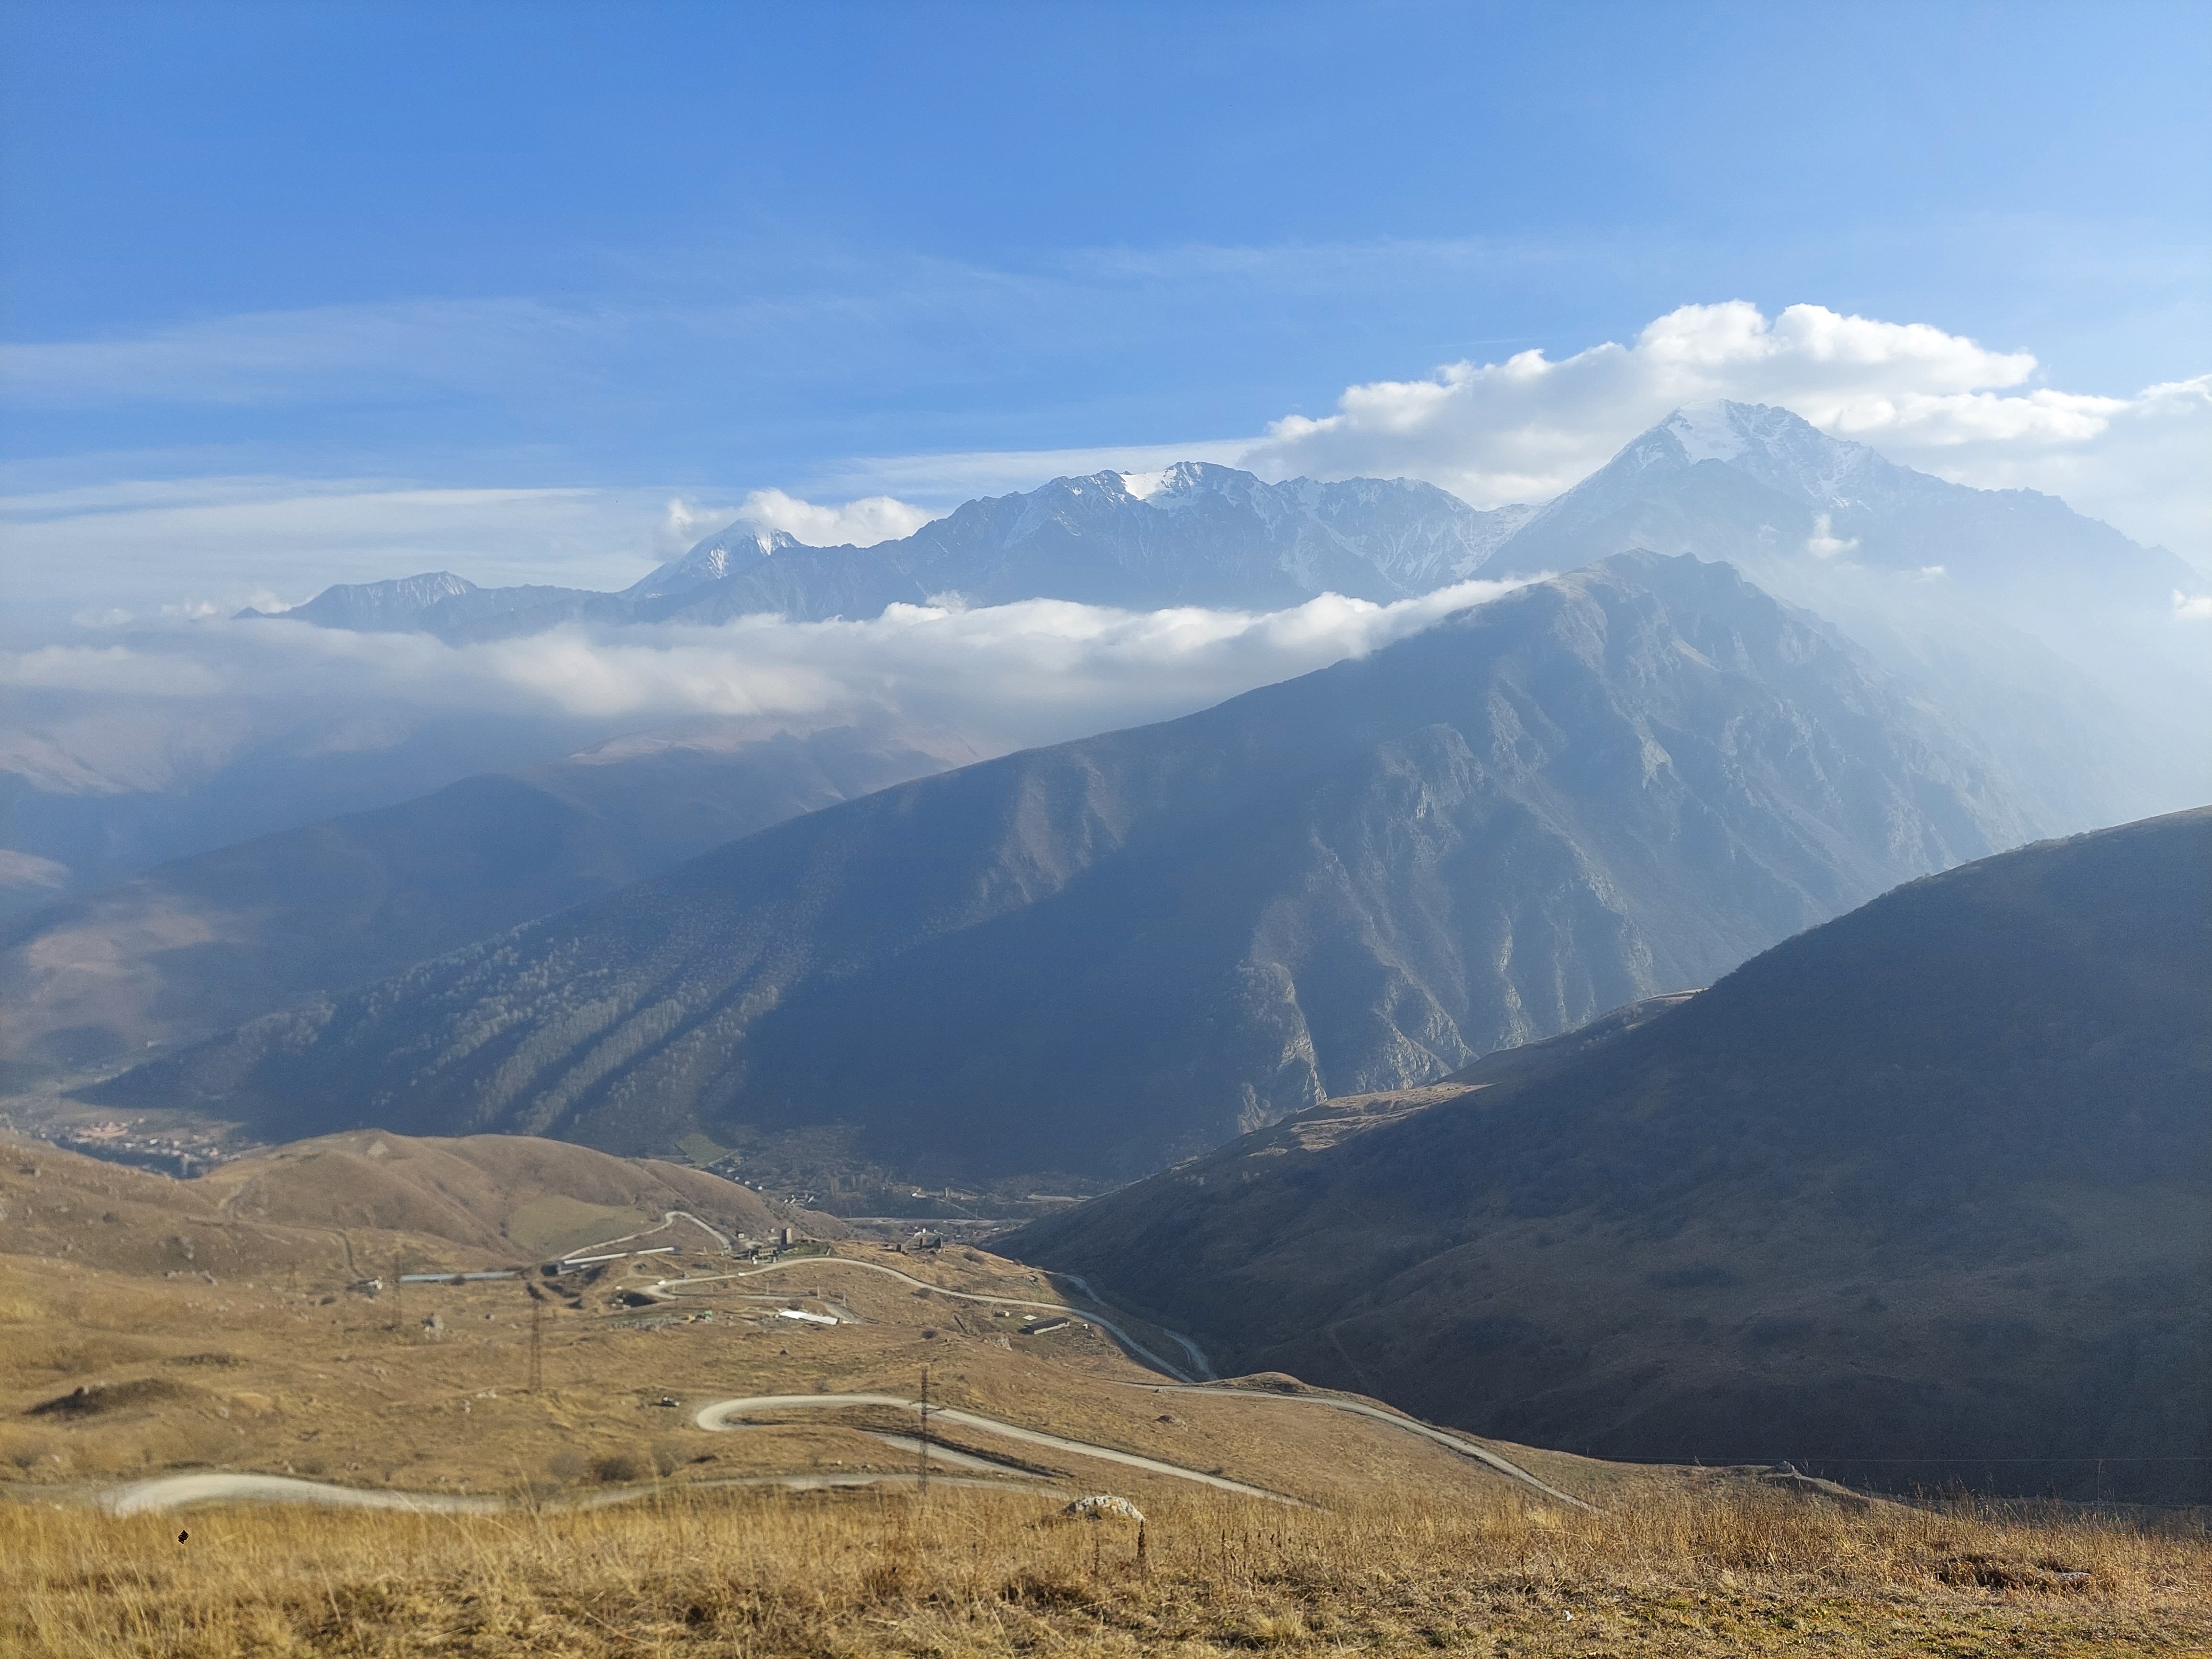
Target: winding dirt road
[
  {"x": 1185, "y": 1383},
  {"x": 179, "y": 1491},
  {"x": 174, "y": 1491},
  {"x": 717, "y": 1416},
  {"x": 1411, "y": 1425}
]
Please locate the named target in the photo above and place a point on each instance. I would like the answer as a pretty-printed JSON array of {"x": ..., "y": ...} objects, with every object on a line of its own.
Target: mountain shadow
[{"x": 1922, "y": 1196}]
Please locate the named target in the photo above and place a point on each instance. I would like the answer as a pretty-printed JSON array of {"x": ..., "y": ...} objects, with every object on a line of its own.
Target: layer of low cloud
[{"x": 999, "y": 677}]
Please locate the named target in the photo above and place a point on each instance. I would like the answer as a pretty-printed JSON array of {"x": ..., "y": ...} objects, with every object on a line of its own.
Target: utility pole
[
  {"x": 536, "y": 1342},
  {"x": 925, "y": 1431},
  {"x": 398, "y": 1295}
]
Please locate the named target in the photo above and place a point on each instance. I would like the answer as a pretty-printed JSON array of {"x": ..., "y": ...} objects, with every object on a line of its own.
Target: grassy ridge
[{"x": 974, "y": 1573}]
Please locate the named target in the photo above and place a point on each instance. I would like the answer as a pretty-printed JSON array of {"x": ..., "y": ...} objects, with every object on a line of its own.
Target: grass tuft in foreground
[{"x": 972, "y": 1572}]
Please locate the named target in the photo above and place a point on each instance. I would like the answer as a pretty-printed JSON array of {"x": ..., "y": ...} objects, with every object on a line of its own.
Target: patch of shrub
[{"x": 618, "y": 1467}]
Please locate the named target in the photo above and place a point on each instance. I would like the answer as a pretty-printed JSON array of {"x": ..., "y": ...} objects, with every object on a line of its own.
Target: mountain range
[
  {"x": 2052, "y": 634},
  {"x": 288, "y": 890},
  {"x": 1755, "y": 485},
  {"x": 1917, "y": 1197},
  {"x": 1191, "y": 534},
  {"x": 1098, "y": 956},
  {"x": 2049, "y": 634}
]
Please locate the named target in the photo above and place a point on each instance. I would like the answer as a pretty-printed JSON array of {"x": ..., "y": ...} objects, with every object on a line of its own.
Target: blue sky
[{"x": 293, "y": 292}]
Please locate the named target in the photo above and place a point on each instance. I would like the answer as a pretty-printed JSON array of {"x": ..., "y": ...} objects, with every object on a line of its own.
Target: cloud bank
[
  {"x": 1001, "y": 677},
  {"x": 1528, "y": 427}
]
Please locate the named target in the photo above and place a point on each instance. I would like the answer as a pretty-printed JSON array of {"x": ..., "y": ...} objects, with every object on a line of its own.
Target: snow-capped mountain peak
[
  {"x": 1782, "y": 450},
  {"x": 1708, "y": 431},
  {"x": 713, "y": 559}
]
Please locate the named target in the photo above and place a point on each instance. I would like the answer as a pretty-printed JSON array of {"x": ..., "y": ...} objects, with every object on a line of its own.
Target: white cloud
[
  {"x": 2193, "y": 607},
  {"x": 1824, "y": 543},
  {"x": 1527, "y": 427},
  {"x": 860, "y": 523},
  {"x": 1001, "y": 676},
  {"x": 112, "y": 670}
]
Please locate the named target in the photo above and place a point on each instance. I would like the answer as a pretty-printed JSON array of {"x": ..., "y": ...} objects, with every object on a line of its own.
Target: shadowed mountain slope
[
  {"x": 1932, "y": 1182},
  {"x": 1093, "y": 956},
  {"x": 200, "y": 944}
]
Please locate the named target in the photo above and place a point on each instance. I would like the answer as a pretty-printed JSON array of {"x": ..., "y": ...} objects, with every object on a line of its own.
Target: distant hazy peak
[
  {"x": 372, "y": 605},
  {"x": 426, "y": 589},
  {"x": 731, "y": 548},
  {"x": 1780, "y": 449}
]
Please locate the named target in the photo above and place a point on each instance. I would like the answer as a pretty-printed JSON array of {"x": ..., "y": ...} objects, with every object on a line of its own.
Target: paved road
[
  {"x": 1089, "y": 1313},
  {"x": 718, "y": 1415},
  {"x": 1465, "y": 1447}
]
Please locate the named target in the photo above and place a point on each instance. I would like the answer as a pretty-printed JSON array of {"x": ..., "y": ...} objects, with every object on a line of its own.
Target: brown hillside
[
  {"x": 343, "y": 1205},
  {"x": 495, "y": 1192}
]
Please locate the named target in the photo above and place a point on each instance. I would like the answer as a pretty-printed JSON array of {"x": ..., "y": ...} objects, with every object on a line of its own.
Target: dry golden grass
[{"x": 970, "y": 1572}]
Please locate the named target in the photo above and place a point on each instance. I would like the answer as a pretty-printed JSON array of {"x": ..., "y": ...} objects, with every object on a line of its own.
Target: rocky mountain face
[
  {"x": 1099, "y": 956},
  {"x": 1922, "y": 1195},
  {"x": 200, "y": 943},
  {"x": 1193, "y": 534}
]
